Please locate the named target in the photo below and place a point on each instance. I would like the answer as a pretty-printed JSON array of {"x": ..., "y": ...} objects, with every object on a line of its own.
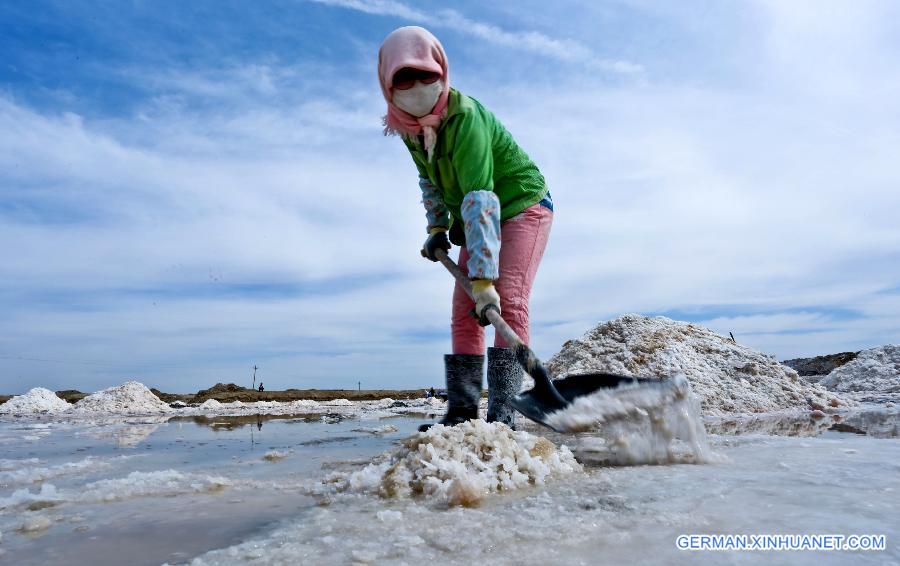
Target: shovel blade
[{"x": 537, "y": 404}]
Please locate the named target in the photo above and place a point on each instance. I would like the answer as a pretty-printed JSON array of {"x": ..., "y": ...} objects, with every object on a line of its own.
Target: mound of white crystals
[
  {"x": 461, "y": 465},
  {"x": 210, "y": 405},
  {"x": 37, "y": 400},
  {"x": 635, "y": 424},
  {"x": 875, "y": 370},
  {"x": 727, "y": 377},
  {"x": 131, "y": 397}
]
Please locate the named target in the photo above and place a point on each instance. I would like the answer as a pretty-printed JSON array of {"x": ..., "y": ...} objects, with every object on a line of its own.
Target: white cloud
[
  {"x": 380, "y": 8},
  {"x": 120, "y": 234},
  {"x": 531, "y": 41}
]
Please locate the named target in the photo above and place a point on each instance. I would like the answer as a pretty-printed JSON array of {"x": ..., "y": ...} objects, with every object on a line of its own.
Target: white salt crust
[
  {"x": 34, "y": 474},
  {"x": 377, "y": 430},
  {"x": 163, "y": 483}
]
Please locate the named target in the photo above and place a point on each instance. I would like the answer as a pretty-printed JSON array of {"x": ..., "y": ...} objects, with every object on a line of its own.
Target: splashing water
[{"x": 638, "y": 424}]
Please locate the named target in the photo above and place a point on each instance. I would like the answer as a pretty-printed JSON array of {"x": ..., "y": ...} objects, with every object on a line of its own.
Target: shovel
[{"x": 547, "y": 396}]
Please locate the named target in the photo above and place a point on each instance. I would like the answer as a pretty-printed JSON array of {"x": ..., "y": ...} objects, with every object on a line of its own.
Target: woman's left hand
[{"x": 486, "y": 297}]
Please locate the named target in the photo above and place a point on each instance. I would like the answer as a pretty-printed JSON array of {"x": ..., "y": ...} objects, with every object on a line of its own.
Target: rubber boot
[
  {"x": 504, "y": 377},
  {"x": 463, "y": 373}
]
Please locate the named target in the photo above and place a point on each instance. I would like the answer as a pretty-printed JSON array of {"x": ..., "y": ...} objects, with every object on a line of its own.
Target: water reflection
[
  {"x": 877, "y": 422},
  {"x": 232, "y": 422}
]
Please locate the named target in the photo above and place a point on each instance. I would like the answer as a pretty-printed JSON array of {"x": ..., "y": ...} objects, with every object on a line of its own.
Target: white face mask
[{"x": 420, "y": 99}]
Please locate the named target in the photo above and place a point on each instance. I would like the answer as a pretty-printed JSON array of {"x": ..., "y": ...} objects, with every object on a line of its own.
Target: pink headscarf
[{"x": 415, "y": 47}]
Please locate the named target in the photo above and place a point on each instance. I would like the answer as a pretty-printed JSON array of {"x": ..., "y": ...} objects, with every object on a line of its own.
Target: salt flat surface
[
  {"x": 216, "y": 489},
  {"x": 842, "y": 483},
  {"x": 72, "y": 492}
]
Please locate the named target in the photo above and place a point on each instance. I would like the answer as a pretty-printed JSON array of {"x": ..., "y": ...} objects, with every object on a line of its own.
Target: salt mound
[
  {"x": 131, "y": 397},
  {"x": 210, "y": 404},
  {"x": 875, "y": 370},
  {"x": 461, "y": 465},
  {"x": 727, "y": 377},
  {"x": 37, "y": 400}
]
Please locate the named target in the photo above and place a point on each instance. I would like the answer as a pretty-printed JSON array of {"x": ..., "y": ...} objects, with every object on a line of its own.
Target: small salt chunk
[
  {"x": 388, "y": 516},
  {"x": 36, "y": 524},
  {"x": 363, "y": 556},
  {"x": 275, "y": 455}
]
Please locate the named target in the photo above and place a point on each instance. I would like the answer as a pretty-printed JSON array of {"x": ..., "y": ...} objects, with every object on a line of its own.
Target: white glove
[{"x": 485, "y": 296}]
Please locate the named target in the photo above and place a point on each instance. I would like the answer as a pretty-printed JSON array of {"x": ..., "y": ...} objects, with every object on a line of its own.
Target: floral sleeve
[
  {"x": 436, "y": 212},
  {"x": 481, "y": 215}
]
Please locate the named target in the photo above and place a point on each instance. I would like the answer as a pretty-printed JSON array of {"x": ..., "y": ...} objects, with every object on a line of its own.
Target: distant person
[
  {"x": 261, "y": 388},
  {"x": 430, "y": 393},
  {"x": 481, "y": 192}
]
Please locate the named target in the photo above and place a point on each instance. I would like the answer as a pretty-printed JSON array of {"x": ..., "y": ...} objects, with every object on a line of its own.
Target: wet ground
[
  {"x": 225, "y": 490},
  {"x": 154, "y": 519}
]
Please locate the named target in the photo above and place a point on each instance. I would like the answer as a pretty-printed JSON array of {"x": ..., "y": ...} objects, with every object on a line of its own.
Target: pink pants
[{"x": 522, "y": 241}]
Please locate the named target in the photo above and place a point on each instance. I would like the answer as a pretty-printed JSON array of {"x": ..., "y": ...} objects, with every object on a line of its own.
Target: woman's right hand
[{"x": 437, "y": 240}]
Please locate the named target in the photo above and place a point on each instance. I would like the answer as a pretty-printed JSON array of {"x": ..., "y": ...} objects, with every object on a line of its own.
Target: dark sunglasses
[{"x": 404, "y": 79}]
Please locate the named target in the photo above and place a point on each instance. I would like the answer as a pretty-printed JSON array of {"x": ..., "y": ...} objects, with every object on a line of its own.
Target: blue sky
[{"x": 191, "y": 188}]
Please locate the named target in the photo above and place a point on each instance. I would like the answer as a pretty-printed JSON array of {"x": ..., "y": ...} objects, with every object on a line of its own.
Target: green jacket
[{"x": 475, "y": 152}]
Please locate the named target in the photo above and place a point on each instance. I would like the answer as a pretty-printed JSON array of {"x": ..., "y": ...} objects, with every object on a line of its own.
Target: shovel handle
[
  {"x": 530, "y": 362},
  {"x": 492, "y": 315}
]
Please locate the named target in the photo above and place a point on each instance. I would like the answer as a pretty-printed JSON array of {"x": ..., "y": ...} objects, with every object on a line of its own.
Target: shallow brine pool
[{"x": 225, "y": 490}]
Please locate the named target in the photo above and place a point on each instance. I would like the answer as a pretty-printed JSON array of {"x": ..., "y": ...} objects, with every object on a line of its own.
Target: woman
[{"x": 479, "y": 186}]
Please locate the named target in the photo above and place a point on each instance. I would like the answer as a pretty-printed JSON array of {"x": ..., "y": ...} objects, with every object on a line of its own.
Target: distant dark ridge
[
  {"x": 71, "y": 395},
  {"x": 820, "y": 365},
  {"x": 218, "y": 389}
]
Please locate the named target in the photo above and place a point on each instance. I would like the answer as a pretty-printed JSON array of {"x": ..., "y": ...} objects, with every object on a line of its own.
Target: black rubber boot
[
  {"x": 504, "y": 377},
  {"x": 463, "y": 373}
]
